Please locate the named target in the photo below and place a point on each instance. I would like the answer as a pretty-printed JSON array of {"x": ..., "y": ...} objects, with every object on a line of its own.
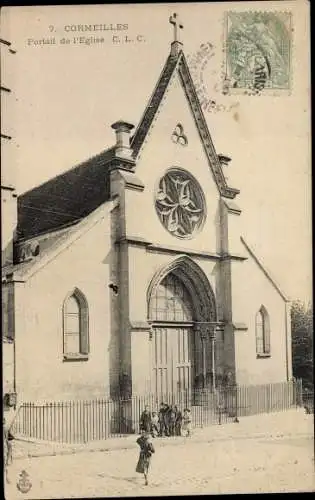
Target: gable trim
[
  {"x": 264, "y": 270},
  {"x": 203, "y": 130},
  {"x": 148, "y": 116},
  {"x": 178, "y": 62}
]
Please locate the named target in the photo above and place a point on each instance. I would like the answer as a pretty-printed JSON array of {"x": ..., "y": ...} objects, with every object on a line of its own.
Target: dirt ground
[{"x": 247, "y": 464}]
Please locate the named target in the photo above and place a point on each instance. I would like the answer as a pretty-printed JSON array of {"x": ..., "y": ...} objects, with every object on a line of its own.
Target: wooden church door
[
  {"x": 173, "y": 340},
  {"x": 172, "y": 359}
]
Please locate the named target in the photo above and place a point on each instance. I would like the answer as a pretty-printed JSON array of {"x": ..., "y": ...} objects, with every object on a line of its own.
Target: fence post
[
  {"x": 85, "y": 422},
  {"x": 269, "y": 389},
  {"x": 219, "y": 402}
]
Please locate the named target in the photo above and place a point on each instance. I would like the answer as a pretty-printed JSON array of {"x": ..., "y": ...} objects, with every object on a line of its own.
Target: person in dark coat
[
  {"x": 161, "y": 420},
  {"x": 178, "y": 422},
  {"x": 167, "y": 412},
  {"x": 164, "y": 418},
  {"x": 172, "y": 420},
  {"x": 146, "y": 420},
  {"x": 146, "y": 452}
]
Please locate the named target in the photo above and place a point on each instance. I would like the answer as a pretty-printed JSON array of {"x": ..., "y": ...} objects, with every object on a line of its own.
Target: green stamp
[{"x": 258, "y": 48}]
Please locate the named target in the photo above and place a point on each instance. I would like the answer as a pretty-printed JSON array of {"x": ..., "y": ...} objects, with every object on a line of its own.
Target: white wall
[
  {"x": 159, "y": 154},
  {"x": 41, "y": 372},
  {"x": 251, "y": 289}
]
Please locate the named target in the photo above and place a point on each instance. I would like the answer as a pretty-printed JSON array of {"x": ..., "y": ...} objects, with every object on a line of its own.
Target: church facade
[{"x": 131, "y": 272}]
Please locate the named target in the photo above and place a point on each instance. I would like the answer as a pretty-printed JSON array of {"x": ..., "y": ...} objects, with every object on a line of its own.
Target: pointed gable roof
[
  {"x": 153, "y": 105},
  {"x": 177, "y": 62},
  {"x": 73, "y": 195}
]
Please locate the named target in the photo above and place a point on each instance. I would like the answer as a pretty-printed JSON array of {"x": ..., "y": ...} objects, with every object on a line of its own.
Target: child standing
[
  {"x": 155, "y": 424},
  {"x": 145, "y": 420},
  {"x": 178, "y": 422},
  {"x": 172, "y": 420},
  {"x": 186, "y": 426},
  {"x": 146, "y": 451},
  {"x": 161, "y": 417}
]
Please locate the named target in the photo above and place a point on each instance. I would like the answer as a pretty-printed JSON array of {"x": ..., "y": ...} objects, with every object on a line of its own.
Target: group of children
[{"x": 168, "y": 421}]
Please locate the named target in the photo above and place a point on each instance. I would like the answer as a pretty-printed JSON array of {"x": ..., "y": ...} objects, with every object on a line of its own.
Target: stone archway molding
[{"x": 196, "y": 282}]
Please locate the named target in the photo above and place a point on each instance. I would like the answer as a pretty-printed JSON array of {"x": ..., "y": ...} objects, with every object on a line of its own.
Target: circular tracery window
[{"x": 180, "y": 203}]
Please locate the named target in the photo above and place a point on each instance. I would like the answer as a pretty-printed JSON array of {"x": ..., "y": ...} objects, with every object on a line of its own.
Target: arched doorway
[
  {"x": 172, "y": 338},
  {"x": 181, "y": 312}
]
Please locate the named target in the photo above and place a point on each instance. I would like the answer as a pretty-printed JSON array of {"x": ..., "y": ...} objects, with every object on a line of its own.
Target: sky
[{"x": 67, "y": 95}]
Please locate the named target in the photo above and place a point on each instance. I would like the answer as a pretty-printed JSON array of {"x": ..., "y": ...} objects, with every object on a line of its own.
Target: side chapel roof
[{"x": 65, "y": 199}]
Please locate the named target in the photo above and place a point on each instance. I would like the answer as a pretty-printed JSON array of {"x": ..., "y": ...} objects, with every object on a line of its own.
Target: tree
[{"x": 302, "y": 342}]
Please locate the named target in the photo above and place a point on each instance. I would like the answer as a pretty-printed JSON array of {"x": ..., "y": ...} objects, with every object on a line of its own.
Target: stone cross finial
[{"x": 177, "y": 25}]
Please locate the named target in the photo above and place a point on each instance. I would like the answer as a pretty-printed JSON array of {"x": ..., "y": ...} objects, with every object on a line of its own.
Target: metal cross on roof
[{"x": 177, "y": 25}]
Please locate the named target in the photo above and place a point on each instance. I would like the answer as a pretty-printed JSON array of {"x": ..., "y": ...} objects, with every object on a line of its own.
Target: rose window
[{"x": 180, "y": 203}]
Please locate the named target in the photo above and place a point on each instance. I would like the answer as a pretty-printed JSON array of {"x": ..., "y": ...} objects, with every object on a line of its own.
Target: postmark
[
  {"x": 258, "y": 52},
  {"x": 203, "y": 65}
]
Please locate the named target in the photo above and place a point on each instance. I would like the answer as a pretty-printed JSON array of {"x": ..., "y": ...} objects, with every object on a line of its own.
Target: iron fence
[
  {"x": 84, "y": 421},
  {"x": 308, "y": 400}
]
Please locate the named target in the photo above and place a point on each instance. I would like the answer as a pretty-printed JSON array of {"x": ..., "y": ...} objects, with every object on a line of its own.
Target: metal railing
[
  {"x": 98, "y": 419},
  {"x": 308, "y": 400}
]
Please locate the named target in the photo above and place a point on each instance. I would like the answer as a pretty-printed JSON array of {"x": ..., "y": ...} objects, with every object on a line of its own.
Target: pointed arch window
[
  {"x": 171, "y": 301},
  {"x": 262, "y": 332},
  {"x": 75, "y": 326}
]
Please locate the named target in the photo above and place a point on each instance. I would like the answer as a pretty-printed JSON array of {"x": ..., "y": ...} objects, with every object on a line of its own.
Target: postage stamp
[{"x": 258, "y": 52}]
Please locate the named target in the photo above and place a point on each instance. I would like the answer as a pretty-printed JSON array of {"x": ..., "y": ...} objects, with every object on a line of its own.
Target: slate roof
[{"x": 66, "y": 198}]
